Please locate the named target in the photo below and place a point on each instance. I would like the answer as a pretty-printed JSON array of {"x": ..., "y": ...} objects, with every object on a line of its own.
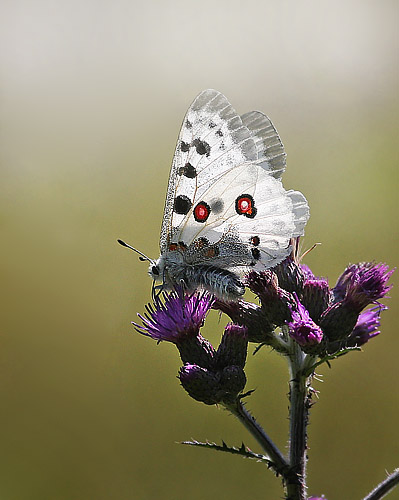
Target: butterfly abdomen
[
  {"x": 172, "y": 269},
  {"x": 221, "y": 282}
]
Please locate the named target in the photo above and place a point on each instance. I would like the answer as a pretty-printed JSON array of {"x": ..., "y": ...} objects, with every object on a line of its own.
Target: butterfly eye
[{"x": 155, "y": 270}]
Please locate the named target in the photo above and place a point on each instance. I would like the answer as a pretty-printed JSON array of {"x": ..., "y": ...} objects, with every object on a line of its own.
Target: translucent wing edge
[
  {"x": 271, "y": 153},
  {"x": 301, "y": 212}
]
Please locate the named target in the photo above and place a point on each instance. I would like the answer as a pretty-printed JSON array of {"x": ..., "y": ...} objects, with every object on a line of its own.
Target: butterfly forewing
[{"x": 212, "y": 140}]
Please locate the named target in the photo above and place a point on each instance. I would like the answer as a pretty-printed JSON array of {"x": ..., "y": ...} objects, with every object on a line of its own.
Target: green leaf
[
  {"x": 243, "y": 450},
  {"x": 328, "y": 358}
]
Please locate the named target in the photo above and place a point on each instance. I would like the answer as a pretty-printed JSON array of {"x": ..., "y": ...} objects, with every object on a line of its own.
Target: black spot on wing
[
  {"x": 184, "y": 146},
  {"x": 188, "y": 171},
  {"x": 202, "y": 242},
  {"x": 255, "y": 253},
  {"x": 182, "y": 204},
  {"x": 202, "y": 147}
]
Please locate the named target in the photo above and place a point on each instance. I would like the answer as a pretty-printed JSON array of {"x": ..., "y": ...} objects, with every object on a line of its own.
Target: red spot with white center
[
  {"x": 245, "y": 205},
  {"x": 201, "y": 211}
]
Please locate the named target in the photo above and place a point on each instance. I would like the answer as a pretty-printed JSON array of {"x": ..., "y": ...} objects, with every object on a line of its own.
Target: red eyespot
[
  {"x": 201, "y": 211},
  {"x": 245, "y": 205}
]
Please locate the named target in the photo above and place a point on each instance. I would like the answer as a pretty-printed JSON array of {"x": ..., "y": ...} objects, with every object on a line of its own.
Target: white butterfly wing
[
  {"x": 259, "y": 238},
  {"x": 212, "y": 140},
  {"x": 220, "y": 158}
]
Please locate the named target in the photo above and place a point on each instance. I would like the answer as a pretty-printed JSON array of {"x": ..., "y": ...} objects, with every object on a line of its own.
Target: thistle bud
[
  {"x": 315, "y": 296},
  {"x": 302, "y": 328},
  {"x": 233, "y": 347},
  {"x": 201, "y": 384}
]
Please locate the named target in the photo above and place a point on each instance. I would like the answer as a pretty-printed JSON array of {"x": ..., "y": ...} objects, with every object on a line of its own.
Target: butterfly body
[
  {"x": 189, "y": 268},
  {"x": 226, "y": 210}
]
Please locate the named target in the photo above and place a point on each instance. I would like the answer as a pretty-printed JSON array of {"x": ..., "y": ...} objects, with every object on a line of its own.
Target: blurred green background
[{"x": 92, "y": 97}]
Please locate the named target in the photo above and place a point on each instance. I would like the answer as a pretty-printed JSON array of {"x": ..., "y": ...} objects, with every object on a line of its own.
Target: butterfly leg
[{"x": 156, "y": 291}]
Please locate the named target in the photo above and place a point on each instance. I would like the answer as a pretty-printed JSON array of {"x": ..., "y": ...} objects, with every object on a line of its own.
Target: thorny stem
[
  {"x": 280, "y": 464},
  {"x": 299, "y": 413},
  {"x": 385, "y": 487}
]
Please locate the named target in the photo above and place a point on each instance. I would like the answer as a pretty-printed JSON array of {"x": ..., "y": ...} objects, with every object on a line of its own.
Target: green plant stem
[
  {"x": 385, "y": 487},
  {"x": 299, "y": 412},
  {"x": 280, "y": 465}
]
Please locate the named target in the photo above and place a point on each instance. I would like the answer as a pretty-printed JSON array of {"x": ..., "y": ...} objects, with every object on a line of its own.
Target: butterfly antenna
[
  {"x": 142, "y": 257},
  {"x": 309, "y": 250}
]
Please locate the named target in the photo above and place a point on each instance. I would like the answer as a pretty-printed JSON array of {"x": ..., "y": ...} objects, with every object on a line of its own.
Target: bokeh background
[{"x": 92, "y": 98}]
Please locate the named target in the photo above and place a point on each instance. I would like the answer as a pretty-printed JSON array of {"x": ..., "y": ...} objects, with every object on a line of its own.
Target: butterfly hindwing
[{"x": 251, "y": 211}]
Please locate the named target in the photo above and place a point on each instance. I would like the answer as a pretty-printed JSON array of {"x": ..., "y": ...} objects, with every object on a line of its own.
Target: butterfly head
[
  {"x": 168, "y": 267},
  {"x": 155, "y": 269}
]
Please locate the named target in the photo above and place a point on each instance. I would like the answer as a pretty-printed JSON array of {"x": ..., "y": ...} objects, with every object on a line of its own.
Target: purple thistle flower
[
  {"x": 363, "y": 284},
  {"x": 307, "y": 272},
  {"x": 224, "y": 379},
  {"x": 178, "y": 319},
  {"x": 302, "y": 328},
  {"x": 337, "y": 322},
  {"x": 367, "y": 326},
  {"x": 358, "y": 286},
  {"x": 178, "y": 316}
]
